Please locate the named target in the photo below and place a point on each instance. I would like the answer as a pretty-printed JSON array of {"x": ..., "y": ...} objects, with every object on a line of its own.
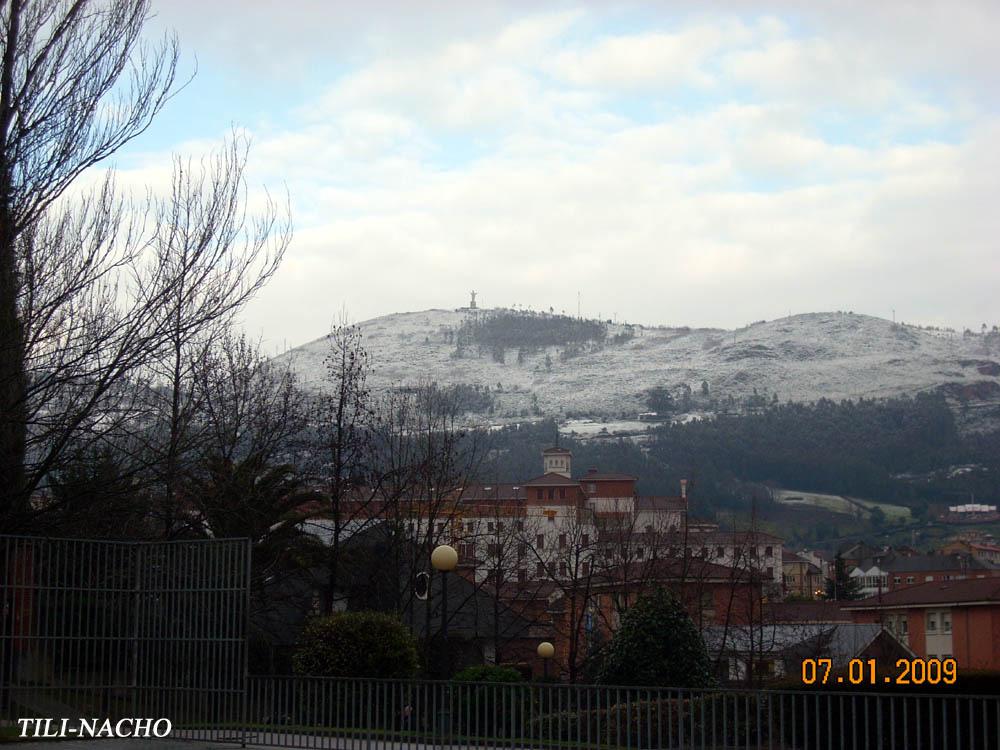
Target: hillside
[{"x": 562, "y": 368}]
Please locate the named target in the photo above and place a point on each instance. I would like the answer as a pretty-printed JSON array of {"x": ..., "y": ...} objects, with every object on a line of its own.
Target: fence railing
[
  {"x": 93, "y": 628},
  {"x": 341, "y": 713}
]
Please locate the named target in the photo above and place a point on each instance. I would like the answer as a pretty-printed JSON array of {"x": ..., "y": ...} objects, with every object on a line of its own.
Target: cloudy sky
[{"x": 702, "y": 164}]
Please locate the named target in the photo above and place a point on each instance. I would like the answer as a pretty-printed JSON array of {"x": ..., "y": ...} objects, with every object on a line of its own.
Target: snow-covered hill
[{"x": 800, "y": 358}]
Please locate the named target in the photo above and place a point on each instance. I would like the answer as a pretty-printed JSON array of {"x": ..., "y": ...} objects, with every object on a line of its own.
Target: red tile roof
[
  {"x": 550, "y": 480},
  {"x": 820, "y": 611},
  {"x": 969, "y": 591}
]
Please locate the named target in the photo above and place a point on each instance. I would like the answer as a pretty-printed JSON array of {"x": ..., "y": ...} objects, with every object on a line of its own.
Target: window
[
  {"x": 562, "y": 493},
  {"x": 489, "y": 527},
  {"x": 946, "y": 622},
  {"x": 585, "y": 540},
  {"x": 586, "y": 568},
  {"x": 540, "y": 541},
  {"x": 440, "y": 527},
  {"x": 520, "y": 525},
  {"x": 538, "y": 493},
  {"x": 639, "y": 552},
  {"x": 562, "y": 568},
  {"x": 932, "y": 622},
  {"x": 720, "y": 552},
  {"x": 562, "y": 541},
  {"x": 470, "y": 527},
  {"x": 768, "y": 551},
  {"x": 591, "y": 487},
  {"x": 522, "y": 550},
  {"x": 703, "y": 552},
  {"x": 539, "y": 569},
  {"x": 904, "y": 625},
  {"x": 896, "y": 579},
  {"x": 522, "y": 575},
  {"x": 500, "y": 527},
  {"x": 769, "y": 572},
  {"x": 552, "y": 494}
]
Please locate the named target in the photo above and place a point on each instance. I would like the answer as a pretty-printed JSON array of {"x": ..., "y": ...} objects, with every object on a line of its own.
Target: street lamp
[
  {"x": 546, "y": 650},
  {"x": 444, "y": 558}
]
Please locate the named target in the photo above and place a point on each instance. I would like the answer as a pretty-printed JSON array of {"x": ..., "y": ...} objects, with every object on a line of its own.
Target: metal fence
[
  {"x": 339, "y": 713},
  {"x": 100, "y": 629},
  {"x": 123, "y": 629}
]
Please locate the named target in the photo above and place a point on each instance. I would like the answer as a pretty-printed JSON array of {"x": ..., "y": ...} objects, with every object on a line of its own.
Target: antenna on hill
[
  {"x": 578, "y": 305},
  {"x": 472, "y": 302}
]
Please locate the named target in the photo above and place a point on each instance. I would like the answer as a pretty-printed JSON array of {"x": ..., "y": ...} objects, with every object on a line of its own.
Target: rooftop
[{"x": 966, "y": 592}]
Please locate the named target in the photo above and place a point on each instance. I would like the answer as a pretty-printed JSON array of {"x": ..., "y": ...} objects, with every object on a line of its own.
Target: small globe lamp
[
  {"x": 444, "y": 559},
  {"x": 546, "y": 651}
]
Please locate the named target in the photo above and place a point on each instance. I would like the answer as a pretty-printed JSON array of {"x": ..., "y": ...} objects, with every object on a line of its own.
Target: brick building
[{"x": 959, "y": 619}]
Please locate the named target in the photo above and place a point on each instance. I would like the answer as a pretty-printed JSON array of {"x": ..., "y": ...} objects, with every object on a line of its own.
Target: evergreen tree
[
  {"x": 842, "y": 587},
  {"x": 657, "y": 645}
]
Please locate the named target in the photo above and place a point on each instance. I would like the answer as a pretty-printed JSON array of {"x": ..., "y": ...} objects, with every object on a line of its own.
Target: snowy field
[{"x": 850, "y": 506}]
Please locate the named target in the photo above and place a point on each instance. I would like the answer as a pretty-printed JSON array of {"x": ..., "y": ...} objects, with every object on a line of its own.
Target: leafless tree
[
  {"x": 215, "y": 257},
  {"x": 76, "y": 83},
  {"x": 96, "y": 291},
  {"x": 346, "y": 428},
  {"x": 498, "y": 534}
]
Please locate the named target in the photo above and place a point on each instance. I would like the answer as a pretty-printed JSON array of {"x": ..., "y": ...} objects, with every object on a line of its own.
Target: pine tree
[{"x": 842, "y": 587}]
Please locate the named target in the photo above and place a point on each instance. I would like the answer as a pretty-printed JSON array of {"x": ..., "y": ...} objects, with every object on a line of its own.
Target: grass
[{"x": 851, "y": 506}]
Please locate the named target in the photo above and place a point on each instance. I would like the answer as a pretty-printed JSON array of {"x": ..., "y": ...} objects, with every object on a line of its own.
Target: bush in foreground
[
  {"x": 657, "y": 645},
  {"x": 356, "y": 644}
]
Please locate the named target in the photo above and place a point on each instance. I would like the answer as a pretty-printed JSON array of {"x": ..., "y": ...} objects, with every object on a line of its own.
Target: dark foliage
[
  {"x": 893, "y": 450},
  {"x": 841, "y": 587},
  {"x": 499, "y": 330},
  {"x": 657, "y": 645},
  {"x": 356, "y": 644}
]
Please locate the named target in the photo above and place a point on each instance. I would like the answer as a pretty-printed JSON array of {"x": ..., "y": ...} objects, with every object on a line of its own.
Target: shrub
[
  {"x": 657, "y": 645},
  {"x": 356, "y": 644}
]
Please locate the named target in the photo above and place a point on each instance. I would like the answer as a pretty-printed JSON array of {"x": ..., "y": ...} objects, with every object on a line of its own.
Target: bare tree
[
  {"x": 76, "y": 83},
  {"x": 98, "y": 294},
  {"x": 346, "y": 422},
  {"x": 215, "y": 257}
]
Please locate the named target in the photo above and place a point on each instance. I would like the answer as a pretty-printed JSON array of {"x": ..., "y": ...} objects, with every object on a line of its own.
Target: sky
[{"x": 702, "y": 164}]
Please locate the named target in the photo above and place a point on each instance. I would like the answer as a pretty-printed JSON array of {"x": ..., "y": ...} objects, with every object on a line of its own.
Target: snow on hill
[{"x": 800, "y": 358}]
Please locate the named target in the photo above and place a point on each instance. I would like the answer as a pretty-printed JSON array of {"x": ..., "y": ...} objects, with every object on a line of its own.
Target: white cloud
[{"x": 707, "y": 170}]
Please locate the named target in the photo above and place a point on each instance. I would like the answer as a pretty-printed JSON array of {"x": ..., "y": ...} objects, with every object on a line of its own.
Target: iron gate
[{"x": 111, "y": 629}]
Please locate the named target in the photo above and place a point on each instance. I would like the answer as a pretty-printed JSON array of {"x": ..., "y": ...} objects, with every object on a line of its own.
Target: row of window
[
  {"x": 938, "y": 623},
  {"x": 541, "y": 570}
]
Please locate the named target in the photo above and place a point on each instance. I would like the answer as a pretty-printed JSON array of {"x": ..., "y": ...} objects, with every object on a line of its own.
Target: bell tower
[{"x": 557, "y": 461}]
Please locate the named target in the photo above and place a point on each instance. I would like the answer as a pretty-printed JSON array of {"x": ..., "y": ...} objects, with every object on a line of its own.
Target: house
[
  {"x": 800, "y": 577},
  {"x": 891, "y": 571},
  {"x": 941, "y": 619},
  {"x": 773, "y": 651},
  {"x": 980, "y": 550}
]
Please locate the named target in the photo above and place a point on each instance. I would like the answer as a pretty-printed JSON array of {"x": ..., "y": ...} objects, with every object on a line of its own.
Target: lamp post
[
  {"x": 444, "y": 559},
  {"x": 546, "y": 650}
]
